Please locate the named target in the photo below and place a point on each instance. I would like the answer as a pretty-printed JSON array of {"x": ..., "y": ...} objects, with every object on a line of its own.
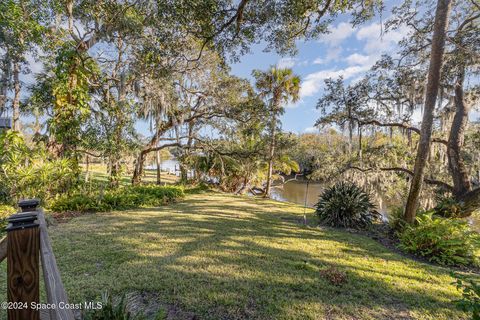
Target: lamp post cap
[{"x": 29, "y": 204}]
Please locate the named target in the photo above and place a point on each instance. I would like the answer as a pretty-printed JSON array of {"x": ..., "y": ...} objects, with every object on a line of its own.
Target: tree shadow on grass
[{"x": 229, "y": 260}]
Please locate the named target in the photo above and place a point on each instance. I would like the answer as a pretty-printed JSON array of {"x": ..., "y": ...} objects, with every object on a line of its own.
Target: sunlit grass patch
[{"x": 220, "y": 256}]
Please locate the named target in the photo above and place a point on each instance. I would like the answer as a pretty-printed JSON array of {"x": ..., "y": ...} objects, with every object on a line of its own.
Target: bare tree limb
[{"x": 439, "y": 183}]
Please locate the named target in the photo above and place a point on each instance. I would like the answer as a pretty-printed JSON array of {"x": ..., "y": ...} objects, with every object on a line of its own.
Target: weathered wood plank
[
  {"x": 23, "y": 272},
  {"x": 44, "y": 315},
  {"x": 53, "y": 283},
  {"x": 3, "y": 249}
]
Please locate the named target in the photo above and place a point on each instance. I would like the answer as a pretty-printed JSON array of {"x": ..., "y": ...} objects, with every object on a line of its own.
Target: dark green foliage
[
  {"x": 112, "y": 311},
  {"x": 119, "y": 199},
  {"x": 5, "y": 211},
  {"x": 29, "y": 172},
  {"x": 346, "y": 205},
  {"x": 396, "y": 219},
  {"x": 442, "y": 240},
  {"x": 448, "y": 207},
  {"x": 470, "y": 301},
  {"x": 199, "y": 188}
]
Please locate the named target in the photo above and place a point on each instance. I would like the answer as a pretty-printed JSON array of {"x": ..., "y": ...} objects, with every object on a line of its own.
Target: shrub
[
  {"x": 442, "y": 240},
  {"x": 448, "y": 207},
  {"x": 29, "y": 173},
  {"x": 5, "y": 212},
  {"x": 346, "y": 205},
  {"x": 111, "y": 310},
  {"x": 470, "y": 301},
  {"x": 119, "y": 199},
  {"x": 396, "y": 220}
]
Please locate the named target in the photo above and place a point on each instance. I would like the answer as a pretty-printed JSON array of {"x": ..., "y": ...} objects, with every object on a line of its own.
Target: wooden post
[
  {"x": 23, "y": 243},
  {"x": 53, "y": 283}
]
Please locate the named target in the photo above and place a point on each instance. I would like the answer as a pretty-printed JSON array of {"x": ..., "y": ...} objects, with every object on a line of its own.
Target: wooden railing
[{"x": 27, "y": 240}]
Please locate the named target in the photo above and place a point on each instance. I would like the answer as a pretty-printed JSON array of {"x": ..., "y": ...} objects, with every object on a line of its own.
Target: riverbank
[{"x": 220, "y": 256}]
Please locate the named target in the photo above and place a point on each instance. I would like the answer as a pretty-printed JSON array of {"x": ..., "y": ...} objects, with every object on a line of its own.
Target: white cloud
[
  {"x": 303, "y": 63},
  {"x": 286, "y": 62},
  {"x": 332, "y": 54},
  {"x": 358, "y": 59},
  {"x": 370, "y": 44},
  {"x": 337, "y": 34},
  {"x": 310, "y": 130},
  {"x": 377, "y": 42},
  {"x": 313, "y": 82},
  {"x": 474, "y": 115}
]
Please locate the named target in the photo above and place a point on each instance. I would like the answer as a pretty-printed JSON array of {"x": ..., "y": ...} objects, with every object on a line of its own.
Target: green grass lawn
[
  {"x": 98, "y": 172},
  {"x": 220, "y": 256}
]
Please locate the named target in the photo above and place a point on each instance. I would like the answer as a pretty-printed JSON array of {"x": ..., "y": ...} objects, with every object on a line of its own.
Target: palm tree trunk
[
  {"x": 433, "y": 82},
  {"x": 271, "y": 154}
]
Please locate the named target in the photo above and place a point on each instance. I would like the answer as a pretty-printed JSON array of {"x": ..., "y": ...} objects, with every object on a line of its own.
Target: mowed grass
[
  {"x": 220, "y": 256},
  {"x": 98, "y": 172}
]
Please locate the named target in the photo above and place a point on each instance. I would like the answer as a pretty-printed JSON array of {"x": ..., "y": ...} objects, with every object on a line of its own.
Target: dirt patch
[{"x": 64, "y": 217}]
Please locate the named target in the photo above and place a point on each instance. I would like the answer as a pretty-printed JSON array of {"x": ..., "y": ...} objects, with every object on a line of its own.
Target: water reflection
[{"x": 296, "y": 191}]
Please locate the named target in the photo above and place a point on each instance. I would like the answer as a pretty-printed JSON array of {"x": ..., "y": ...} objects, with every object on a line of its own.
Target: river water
[
  {"x": 296, "y": 191},
  {"x": 170, "y": 165}
]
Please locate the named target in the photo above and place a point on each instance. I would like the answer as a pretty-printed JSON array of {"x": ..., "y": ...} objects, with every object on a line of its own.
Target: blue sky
[{"x": 344, "y": 51}]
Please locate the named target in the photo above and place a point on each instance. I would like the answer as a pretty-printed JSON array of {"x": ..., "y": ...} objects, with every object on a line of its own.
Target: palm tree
[{"x": 278, "y": 86}]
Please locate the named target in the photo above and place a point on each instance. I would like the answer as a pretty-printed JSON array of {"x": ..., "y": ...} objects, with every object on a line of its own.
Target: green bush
[
  {"x": 111, "y": 310},
  {"x": 442, "y": 240},
  {"x": 346, "y": 205},
  {"x": 119, "y": 199},
  {"x": 448, "y": 207},
  {"x": 27, "y": 172},
  {"x": 5, "y": 212},
  {"x": 470, "y": 301},
  {"x": 396, "y": 220}
]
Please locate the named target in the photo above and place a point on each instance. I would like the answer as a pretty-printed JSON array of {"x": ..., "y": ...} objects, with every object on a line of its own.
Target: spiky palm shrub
[{"x": 346, "y": 205}]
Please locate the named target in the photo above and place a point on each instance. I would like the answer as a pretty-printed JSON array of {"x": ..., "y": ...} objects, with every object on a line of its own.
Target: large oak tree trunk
[
  {"x": 461, "y": 181},
  {"x": 469, "y": 202},
  {"x": 118, "y": 131},
  {"x": 433, "y": 82},
  {"x": 138, "y": 171},
  {"x": 4, "y": 83}
]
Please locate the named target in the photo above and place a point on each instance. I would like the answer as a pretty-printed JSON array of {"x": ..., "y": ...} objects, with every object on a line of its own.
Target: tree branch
[
  {"x": 438, "y": 183},
  {"x": 89, "y": 153},
  {"x": 397, "y": 125}
]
